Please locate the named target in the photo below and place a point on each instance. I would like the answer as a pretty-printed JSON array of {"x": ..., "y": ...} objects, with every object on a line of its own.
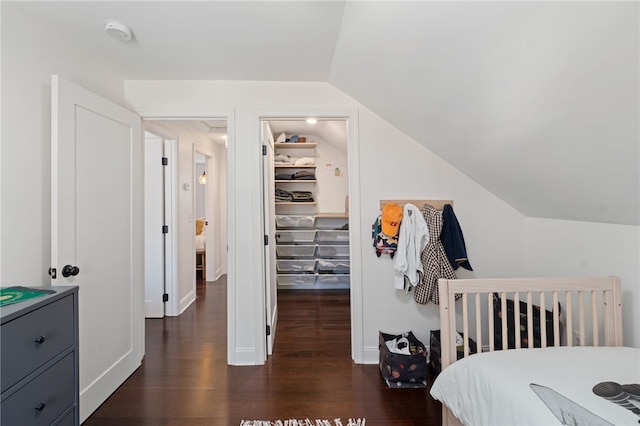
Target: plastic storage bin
[
  {"x": 296, "y": 265},
  {"x": 341, "y": 279},
  {"x": 333, "y": 266},
  {"x": 295, "y": 251},
  {"x": 296, "y": 279},
  {"x": 333, "y": 236},
  {"x": 295, "y": 236},
  {"x": 289, "y": 221},
  {"x": 328, "y": 251}
]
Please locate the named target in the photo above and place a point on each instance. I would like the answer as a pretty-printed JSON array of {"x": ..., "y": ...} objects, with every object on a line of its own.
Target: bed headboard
[{"x": 584, "y": 321}]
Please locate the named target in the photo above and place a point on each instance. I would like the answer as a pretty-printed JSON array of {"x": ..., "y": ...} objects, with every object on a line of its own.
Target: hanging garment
[
  {"x": 412, "y": 239},
  {"x": 453, "y": 240},
  {"x": 434, "y": 259},
  {"x": 381, "y": 242}
]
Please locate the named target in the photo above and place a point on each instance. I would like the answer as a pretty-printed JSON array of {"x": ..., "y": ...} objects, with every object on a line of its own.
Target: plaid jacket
[{"x": 435, "y": 263}]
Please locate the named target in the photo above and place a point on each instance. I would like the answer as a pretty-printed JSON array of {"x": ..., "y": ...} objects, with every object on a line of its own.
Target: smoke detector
[{"x": 118, "y": 30}]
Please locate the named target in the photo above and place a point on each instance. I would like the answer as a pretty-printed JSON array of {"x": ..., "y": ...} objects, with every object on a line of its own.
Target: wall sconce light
[{"x": 203, "y": 178}]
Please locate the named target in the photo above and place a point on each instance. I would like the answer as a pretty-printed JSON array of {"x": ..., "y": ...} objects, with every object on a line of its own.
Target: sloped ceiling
[{"x": 539, "y": 102}]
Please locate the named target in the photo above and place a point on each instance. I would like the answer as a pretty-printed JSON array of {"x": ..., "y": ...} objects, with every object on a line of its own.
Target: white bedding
[
  {"x": 201, "y": 240},
  {"x": 493, "y": 388}
]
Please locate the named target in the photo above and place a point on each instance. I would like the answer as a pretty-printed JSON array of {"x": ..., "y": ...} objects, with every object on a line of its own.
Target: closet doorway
[{"x": 305, "y": 209}]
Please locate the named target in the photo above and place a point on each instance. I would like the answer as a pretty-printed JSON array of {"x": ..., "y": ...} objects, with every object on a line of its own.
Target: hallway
[{"x": 184, "y": 379}]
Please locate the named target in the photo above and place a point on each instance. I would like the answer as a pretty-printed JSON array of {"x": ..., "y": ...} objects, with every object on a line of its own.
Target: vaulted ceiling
[{"x": 539, "y": 102}]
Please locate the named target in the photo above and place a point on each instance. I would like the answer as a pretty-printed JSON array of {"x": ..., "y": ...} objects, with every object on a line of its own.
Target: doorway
[
  {"x": 198, "y": 143},
  {"x": 305, "y": 196}
]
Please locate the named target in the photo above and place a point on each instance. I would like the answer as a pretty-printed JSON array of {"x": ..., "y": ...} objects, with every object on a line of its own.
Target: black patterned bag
[{"x": 403, "y": 360}]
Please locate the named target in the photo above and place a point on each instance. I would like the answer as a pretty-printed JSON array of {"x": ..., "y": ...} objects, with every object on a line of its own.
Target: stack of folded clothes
[
  {"x": 301, "y": 175},
  {"x": 282, "y": 195},
  {"x": 302, "y": 196},
  {"x": 295, "y": 196}
]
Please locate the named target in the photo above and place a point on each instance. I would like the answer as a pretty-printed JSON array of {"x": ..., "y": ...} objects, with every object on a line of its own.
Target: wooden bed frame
[{"x": 602, "y": 316}]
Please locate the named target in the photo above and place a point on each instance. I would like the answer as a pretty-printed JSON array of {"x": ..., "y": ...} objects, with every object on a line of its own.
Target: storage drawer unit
[
  {"x": 291, "y": 221},
  {"x": 333, "y": 266},
  {"x": 296, "y": 279},
  {"x": 332, "y": 251},
  {"x": 295, "y": 250},
  {"x": 333, "y": 280},
  {"x": 39, "y": 351},
  {"x": 332, "y": 236},
  {"x": 295, "y": 236},
  {"x": 296, "y": 265},
  {"x": 21, "y": 355}
]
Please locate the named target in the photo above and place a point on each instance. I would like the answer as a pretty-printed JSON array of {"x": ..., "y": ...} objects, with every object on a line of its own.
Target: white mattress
[{"x": 494, "y": 388}]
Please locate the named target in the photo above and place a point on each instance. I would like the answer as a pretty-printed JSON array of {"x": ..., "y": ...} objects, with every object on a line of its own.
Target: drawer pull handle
[
  {"x": 39, "y": 339},
  {"x": 40, "y": 406}
]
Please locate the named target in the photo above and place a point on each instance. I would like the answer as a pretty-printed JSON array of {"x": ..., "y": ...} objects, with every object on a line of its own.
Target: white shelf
[
  {"x": 294, "y": 145},
  {"x": 295, "y": 181},
  {"x": 293, "y": 203},
  {"x": 292, "y": 166},
  {"x": 332, "y": 215}
]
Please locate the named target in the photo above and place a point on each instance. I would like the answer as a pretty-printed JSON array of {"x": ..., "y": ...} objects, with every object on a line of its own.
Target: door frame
[
  {"x": 257, "y": 355},
  {"x": 355, "y": 234}
]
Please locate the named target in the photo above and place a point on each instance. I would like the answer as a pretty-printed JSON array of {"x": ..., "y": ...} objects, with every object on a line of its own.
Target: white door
[
  {"x": 269, "y": 213},
  {"x": 97, "y": 232},
  {"x": 154, "y": 222}
]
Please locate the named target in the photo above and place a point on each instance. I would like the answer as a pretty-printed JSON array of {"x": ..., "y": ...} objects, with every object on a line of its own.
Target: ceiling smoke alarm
[{"x": 117, "y": 30}]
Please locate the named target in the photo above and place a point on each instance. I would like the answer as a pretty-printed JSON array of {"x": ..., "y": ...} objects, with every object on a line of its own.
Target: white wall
[
  {"x": 494, "y": 232},
  {"x": 199, "y": 190},
  {"x": 393, "y": 166},
  {"x": 30, "y": 55},
  {"x": 331, "y": 189},
  {"x": 567, "y": 248}
]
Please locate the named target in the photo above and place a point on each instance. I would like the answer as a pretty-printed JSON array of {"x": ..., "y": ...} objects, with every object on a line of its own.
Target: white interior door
[
  {"x": 98, "y": 226},
  {"x": 154, "y": 220},
  {"x": 269, "y": 213}
]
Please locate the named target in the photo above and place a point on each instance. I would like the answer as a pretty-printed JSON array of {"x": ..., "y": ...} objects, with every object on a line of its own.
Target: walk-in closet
[{"x": 309, "y": 203}]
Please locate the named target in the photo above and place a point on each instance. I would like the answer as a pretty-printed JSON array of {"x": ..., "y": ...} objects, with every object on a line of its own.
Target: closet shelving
[
  {"x": 312, "y": 251},
  {"x": 306, "y": 183}
]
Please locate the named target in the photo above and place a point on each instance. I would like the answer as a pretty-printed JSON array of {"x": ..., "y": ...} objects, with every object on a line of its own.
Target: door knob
[{"x": 69, "y": 270}]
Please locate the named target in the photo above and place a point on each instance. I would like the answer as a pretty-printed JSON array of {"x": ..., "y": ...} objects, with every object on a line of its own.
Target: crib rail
[{"x": 598, "y": 313}]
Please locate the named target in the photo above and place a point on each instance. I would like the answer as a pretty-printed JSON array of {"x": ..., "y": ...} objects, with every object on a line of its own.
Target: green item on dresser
[{"x": 17, "y": 294}]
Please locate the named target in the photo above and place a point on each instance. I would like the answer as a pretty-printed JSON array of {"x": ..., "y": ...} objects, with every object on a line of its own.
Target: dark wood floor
[{"x": 184, "y": 379}]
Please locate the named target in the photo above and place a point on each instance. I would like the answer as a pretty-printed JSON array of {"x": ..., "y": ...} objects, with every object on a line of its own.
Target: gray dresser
[{"x": 39, "y": 360}]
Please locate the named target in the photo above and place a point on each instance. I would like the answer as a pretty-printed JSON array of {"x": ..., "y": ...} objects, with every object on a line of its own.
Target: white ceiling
[{"x": 537, "y": 101}]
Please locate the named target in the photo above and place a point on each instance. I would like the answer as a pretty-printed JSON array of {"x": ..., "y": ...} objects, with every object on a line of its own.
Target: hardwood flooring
[{"x": 184, "y": 379}]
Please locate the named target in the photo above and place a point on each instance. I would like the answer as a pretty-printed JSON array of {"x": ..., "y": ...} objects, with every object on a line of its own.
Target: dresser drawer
[
  {"x": 20, "y": 352},
  {"x": 68, "y": 420},
  {"x": 55, "y": 388}
]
